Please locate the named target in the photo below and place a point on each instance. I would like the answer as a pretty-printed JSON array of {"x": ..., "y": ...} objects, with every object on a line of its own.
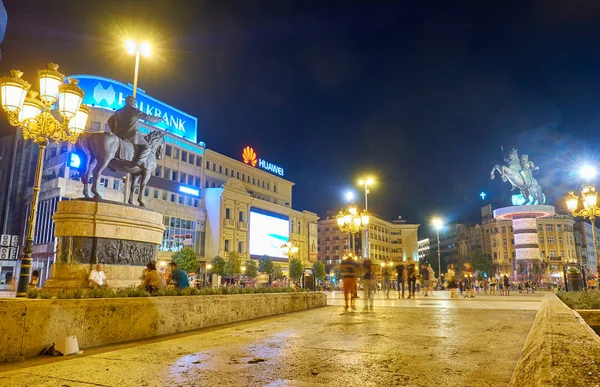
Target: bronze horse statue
[
  {"x": 518, "y": 173},
  {"x": 104, "y": 150}
]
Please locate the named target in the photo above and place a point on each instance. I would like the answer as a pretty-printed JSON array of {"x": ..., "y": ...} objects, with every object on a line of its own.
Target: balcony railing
[
  {"x": 228, "y": 223},
  {"x": 242, "y": 226}
]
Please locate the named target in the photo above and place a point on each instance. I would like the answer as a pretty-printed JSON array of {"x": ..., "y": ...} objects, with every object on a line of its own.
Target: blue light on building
[
  {"x": 189, "y": 191},
  {"x": 74, "y": 160}
]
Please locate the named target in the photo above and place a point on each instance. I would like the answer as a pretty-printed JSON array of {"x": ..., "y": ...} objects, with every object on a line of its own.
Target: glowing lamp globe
[
  {"x": 130, "y": 46},
  {"x": 294, "y": 249},
  {"x": 78, "y": 123},
  {"x": 31, "y": 107},
  {"x": 50, "y": 81},
  {"x": 14, "y": 90},
  {"x": 356, "y": 221},
  {"x": 340, "y": 221},
  {"x": 572, "y": 201},
  {"x": 588, "y": 172},
  {"x": 365, "y": 219},
  {"x": 590, "y": 196},
  {"x": 145, "y": 49},
  {"x": 347, "y": 219},
  {"x": 70, "y": 97},
  {"x": 437, "y": 223}
]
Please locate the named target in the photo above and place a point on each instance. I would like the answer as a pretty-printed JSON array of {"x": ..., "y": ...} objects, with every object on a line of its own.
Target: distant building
[
  {"x": 388, "y": 241},
  {"x": 469, "y": 238},
  {"x": 585, "y": 244},
  {"x": 423, "y": 247}
]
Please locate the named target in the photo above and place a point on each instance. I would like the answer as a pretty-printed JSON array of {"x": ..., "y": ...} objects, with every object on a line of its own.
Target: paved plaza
[{"x": 428, "y": 341}]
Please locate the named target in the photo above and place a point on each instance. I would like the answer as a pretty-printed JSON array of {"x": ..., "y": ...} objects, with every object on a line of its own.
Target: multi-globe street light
[
  {"x": 289, "y": 249},
  {"x": 138, "y": 49},
  {"x": 590, "y": 210},
  {"x": 438, "y": 224},
  {"x": 350, "y": 221},
  {"x": 366, "y": 182},
  {"x": 32, "y": 112}
]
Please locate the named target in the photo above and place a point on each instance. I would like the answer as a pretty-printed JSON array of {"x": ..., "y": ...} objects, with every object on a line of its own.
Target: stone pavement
[{"x": 424, "y": 342}]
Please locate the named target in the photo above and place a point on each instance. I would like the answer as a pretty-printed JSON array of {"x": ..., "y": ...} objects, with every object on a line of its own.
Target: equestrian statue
[
  {"x": 125, "y": 150},
  {"x": 519, "y": 173}
]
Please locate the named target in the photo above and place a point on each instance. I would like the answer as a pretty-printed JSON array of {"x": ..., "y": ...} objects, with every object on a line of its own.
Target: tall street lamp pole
[
  {"x": 366, "y": 183},
  {"x": 438, "y": 223},
  {"x": 137, "y": 49},
  {"x": 352, "y": 222},
  {"x": 31, "y": 111}
]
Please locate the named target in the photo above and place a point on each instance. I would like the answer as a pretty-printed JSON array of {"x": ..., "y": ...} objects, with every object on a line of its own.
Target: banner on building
[{"x": 313, "y": 242}]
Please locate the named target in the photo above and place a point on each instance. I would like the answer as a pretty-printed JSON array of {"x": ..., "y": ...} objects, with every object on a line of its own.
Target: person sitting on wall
[
  {"x": 97, "y": 277},
  {"x": 153, "y": 280},
  {"x": 34, "y": 280},
  {"x": 179, "y": 278}
]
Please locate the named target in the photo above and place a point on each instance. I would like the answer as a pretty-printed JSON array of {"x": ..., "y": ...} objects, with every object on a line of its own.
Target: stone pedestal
[
  {"x": 122, "y": 237},
  {"x": 525, "y": 230}
]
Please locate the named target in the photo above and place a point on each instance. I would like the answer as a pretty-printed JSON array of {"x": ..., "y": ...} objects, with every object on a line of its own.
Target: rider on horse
[{"x": 124, "y": 124}]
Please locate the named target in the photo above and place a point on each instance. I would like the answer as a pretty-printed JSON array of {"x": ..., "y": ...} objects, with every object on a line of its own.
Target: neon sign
[
  {"x": 110, "y": 94},
  {"x": 74, "y": 161},
  {"x": 249, "y": 157}
]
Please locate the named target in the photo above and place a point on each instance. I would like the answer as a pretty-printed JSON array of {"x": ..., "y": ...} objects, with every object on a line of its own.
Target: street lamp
[
  {"x": 350, "y": 221},
  {"x": 590, "y": 210},
  {"x": 134, "y": 48},
  {"x": 438, "y": 224},
  {"x": 289, "y": 249},
  {"x": 366, "y": 183},
  {"x": 31, "y": 111}
]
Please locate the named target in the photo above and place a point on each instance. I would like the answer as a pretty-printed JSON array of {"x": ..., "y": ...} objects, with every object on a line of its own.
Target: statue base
[{"x": 121, "y": 237}]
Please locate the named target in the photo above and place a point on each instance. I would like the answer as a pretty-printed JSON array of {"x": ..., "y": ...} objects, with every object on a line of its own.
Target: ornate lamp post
[
  {"x": 590, "y": 210},
  {"x": 350, "y": 221},
  {"x": 289, "y": 249},
  {"x": 31, "y": 111}
]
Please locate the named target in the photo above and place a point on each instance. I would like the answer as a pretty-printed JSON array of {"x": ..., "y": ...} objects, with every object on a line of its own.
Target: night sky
[{"x": 420, "y": 94}]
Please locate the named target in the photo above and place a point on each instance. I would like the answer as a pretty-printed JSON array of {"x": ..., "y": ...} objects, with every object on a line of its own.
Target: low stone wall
[
  {"x": 560, "y": 350},
  {"x": 591, "y": 316},
  {"x": 28, "y": 326}
]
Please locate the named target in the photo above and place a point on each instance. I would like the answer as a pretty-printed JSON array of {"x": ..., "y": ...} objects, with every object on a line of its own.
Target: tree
[
  {"x": 265, "y": 265},
  {"x": 218, "y": 265},
  {"x": 319, "y": 270},
  {"x": 481, "y": 262},
  {"x": 277, "y": 271},
  {"x": 251, "y": 268},
  {"x": 186, "y": 259},
  {"x": 233, "y": 265},
  {"x": 296, "y": 268}
]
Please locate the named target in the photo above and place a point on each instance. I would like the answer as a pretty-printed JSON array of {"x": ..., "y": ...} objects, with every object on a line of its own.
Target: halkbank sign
[{"x": 110, "y": 94}]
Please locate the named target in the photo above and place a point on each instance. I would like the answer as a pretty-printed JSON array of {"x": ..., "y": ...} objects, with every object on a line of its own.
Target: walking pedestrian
[
  {"x": 369, "y": 284},
  {"x": 425, "y": 279},
  {"x": 493, "y": 285},
  {"x": 451, "y": 278},
  {"x": 387, "y": 284},
  {"x": 348, "y": 274},
  {"x": 401, "y": 272},
  {"x": 506, "y": 285},
  {"x": 411, "y": 274},
  {"x": 469, "y": 274}
]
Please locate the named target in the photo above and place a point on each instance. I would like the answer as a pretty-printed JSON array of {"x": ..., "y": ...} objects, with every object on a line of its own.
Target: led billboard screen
[{"x": 268, "y": 231}]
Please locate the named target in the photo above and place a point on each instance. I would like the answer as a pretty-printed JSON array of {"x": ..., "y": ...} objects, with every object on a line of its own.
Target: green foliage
[
  {"x": 33, "y": 293},
  {"x": 265, "y": 265},
  {"x": 233, "y": 265},
  {"x": 251, "y": 268},
  {"x": 277, "y": 271},
  {"x": 481, "y": 262},
  {"x": 296, "y": 268},
  {"x": 580, "y": 300},
  {"x": 218, "y": 265},
  {"x": 186, "y": 259},
  {"x": 319, "y": 270}
]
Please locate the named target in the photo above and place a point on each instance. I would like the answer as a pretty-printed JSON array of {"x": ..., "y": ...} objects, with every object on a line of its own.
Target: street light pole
[
  {"x": 590, "y": 211},
  {"x": 366, "y": 182},
  {"x": 137, "y": 49},
  {"x": 437, "y": 230},
  {"x": 34, "y": 116}
]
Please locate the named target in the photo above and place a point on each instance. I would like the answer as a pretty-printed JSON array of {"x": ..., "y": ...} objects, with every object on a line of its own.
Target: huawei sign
[{"x": 250, "y": 158}]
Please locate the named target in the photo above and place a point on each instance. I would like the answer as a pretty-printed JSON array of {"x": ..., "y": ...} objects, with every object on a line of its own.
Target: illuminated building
[
  {"x": 206, "y": 199},
  {"x": 423, "y": 247},
  {"x": 394, "y": 241}
]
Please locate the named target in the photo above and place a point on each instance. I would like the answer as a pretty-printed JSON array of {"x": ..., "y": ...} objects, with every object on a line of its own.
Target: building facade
[
  {"x": 208, "y": 200},
  {"x": 388, "y": 241},
  {"x": 584, "y": 241},
  {"x": 423, "y": 247}
]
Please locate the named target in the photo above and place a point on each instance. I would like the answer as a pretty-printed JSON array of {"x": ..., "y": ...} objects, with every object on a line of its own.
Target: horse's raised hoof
[{"x": 492, "y": 176}]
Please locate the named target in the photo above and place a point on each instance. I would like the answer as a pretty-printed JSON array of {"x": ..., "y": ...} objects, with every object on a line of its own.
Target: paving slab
[{"x": 399, "y": 343}]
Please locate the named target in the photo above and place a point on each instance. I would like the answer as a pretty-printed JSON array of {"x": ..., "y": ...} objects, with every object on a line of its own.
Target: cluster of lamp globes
[
  {"x": 30, "y": 110},
  {"x": 589, "y": 196},
  {"x": 351, "y": 220}
]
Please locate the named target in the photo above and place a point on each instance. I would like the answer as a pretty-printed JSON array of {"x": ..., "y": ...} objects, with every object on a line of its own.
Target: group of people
[
  {"x": 405, "y": 281},
  {"x": 152, "y": 279}
]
